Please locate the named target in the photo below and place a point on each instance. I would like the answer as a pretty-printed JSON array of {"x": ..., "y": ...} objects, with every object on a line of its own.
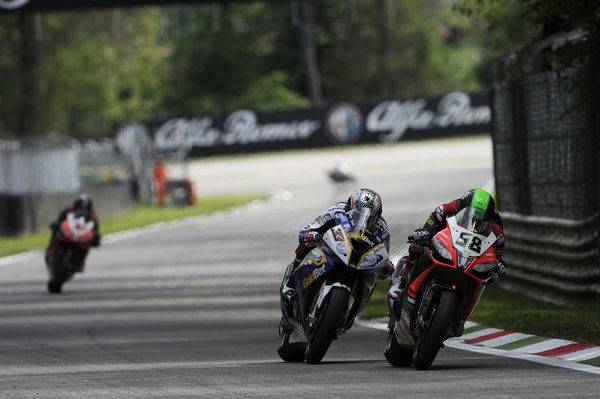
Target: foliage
[{"x": 102, "y": 68}]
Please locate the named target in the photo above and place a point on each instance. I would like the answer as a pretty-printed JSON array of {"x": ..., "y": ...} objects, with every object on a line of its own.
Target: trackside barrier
[{"x": 556, "y": 260}]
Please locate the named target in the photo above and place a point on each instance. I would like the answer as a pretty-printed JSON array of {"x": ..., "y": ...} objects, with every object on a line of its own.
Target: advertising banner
[{"x": 340, "y": 123}]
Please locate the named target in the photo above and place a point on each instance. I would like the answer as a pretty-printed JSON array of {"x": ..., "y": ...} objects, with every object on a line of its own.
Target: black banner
[{"x": 341, "y": 123}]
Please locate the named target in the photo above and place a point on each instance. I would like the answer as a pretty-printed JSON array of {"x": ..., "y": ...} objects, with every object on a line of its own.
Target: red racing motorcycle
[
  {"x": 72, "y": 240},
  {"x": 443, "y": 287}
]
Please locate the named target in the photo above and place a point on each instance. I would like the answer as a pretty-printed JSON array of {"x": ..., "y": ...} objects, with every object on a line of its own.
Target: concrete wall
[{"x": 30, "y": 213}]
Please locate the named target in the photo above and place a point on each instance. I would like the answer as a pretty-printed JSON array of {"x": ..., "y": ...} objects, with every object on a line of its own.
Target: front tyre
[
  {"x": 428, "y": 347},
  {"x": 54, "y": 287},
  {"x": 330, "y": 319},
  {"x": 395, "y": 354}
]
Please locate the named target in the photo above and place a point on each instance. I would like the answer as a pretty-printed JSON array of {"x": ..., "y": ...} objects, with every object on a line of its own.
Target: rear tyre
[
  {"x": 293, "y": 352},
  {"x": 395, "y": 354},
  {"x": 329, "y": 321},
  {"x": 428, "y": 347}
]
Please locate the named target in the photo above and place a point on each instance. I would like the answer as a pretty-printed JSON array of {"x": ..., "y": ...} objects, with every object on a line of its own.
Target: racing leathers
[{"x": 436, "y": 222}]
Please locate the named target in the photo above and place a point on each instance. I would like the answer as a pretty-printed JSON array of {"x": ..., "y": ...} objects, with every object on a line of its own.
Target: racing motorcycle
[
  {"x": 74, "y": 235},
  {"x": 443, "y": 287},
  {"x": 333, "y": 282}
]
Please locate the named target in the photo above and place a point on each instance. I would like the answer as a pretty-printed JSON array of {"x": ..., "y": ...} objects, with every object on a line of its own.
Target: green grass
[
  {"x": 515, "y": 312},
  {"x": 138, "y": 216}
]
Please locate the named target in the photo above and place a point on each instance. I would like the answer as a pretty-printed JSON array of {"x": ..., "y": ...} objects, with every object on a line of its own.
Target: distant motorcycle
[
  {"x": 334, "y": 281},
  {"x": 449, "y": 278},
  {"x": 75, "y": 234}
]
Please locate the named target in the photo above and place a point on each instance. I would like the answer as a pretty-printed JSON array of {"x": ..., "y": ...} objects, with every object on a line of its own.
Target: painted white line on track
[{"x": 454, "y": 343}]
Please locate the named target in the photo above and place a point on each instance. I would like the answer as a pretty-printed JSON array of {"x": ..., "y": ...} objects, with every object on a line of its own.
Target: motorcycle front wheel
[
  {"x": 429, "y": 345},
  {"x": 330, "y": 320}
]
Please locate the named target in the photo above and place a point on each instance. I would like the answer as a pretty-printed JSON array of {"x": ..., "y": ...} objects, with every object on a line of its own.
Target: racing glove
[
  {"x": 420, "y": 237},
  {"x": 501, "y": 272},
  {"x": 498, "y": 274}
]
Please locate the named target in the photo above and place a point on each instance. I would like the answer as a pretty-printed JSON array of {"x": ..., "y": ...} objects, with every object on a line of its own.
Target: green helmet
[
  {"x": 483, "y": 204},
  {"x": 480, "y": 212}
]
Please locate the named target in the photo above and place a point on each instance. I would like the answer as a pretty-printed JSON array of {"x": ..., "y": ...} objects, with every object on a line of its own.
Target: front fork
[{"x": 324, "y": 291}]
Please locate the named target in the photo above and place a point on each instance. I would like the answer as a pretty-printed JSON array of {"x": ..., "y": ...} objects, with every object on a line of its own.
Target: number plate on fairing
[{"x": 467, "y": 242}]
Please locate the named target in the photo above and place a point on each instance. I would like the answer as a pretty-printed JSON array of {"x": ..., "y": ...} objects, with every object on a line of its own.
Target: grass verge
[
  {"x": 138, "y": 216},
  {"x": 515, "y": 312}
]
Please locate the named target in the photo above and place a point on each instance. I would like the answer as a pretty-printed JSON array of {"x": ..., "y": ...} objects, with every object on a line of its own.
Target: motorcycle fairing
[
  {"x": 77, "y": 229},
  {"x": 313, "y": 266},
  {"x": 337, "y": 240},
  {"x": 373, "y": 258},
  {"x": 469, "y": 243}
]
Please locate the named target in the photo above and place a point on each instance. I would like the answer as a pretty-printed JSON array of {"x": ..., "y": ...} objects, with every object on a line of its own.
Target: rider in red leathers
[
  {"x": 83, "y": 202},
  {"x": 435, "y": 223}
]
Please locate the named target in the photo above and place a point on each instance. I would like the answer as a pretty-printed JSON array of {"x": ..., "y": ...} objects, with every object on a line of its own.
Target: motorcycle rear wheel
[
  {"x": 429, "y": 346},
  {"x": 395, "y": 354},
  {"x": 329, "y": 321}
]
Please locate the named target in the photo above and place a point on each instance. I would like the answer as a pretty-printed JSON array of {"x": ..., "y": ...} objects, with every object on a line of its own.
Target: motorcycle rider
[
  {"x": 83, "y": 202},
  {"x": 308, "y": 238},
  {"x": 481, "y": 201}
]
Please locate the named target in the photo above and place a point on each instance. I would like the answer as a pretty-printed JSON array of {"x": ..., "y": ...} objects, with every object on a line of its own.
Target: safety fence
[
  {"x": 553, "y": 259},
  {"x": 546, "y": 168}
]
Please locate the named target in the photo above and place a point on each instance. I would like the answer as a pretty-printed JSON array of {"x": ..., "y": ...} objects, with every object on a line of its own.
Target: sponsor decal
[
  {"x": 240, "y": 128},
  {"x": 314, "y": 275},
  {"x": 361, "y": 237},
  {"x": 342, "y": 248},
  {"x": 371, "y": 259},
  {"x": 338, "y": 236},
  {"x": 344, "y": 123},
  {"x": 391, "y": 119}
]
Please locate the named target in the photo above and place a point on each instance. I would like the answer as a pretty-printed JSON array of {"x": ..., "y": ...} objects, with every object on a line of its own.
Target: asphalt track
[{"x": 190, "y": 309}]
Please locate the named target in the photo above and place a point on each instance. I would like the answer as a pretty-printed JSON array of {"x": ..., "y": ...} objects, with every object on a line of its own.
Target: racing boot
[{"x": 398, "y": 286}]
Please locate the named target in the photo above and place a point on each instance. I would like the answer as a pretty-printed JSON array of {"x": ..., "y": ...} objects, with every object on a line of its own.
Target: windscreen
[
  {"x": 359, "y": 218},
  {"x": 470, "y": 218}
]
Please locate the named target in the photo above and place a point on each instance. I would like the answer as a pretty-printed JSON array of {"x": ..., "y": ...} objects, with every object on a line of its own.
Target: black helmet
[
  {"x": 83, "y": 202},
  {"x": 366, "y": 198}
]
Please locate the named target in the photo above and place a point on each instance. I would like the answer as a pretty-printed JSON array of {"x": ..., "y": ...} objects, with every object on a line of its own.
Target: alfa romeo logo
[{"x": 344, "y": 123}]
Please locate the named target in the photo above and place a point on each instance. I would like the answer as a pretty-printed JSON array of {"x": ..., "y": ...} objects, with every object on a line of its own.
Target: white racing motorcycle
[{"x": 333, "y": 282}]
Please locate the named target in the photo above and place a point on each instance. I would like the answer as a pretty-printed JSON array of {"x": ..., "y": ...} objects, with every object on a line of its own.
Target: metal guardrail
[{"x": 556, "y": 259}]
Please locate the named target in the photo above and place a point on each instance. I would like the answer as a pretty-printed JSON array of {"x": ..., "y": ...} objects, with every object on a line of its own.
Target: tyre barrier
[{"x": 555, "y": 260}]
